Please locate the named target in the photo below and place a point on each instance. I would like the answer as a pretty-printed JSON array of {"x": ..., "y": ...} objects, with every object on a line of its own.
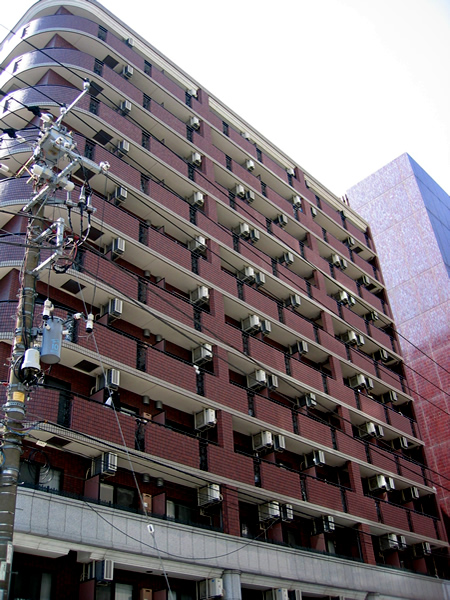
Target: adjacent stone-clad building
[{"x": 240, "y": 414}]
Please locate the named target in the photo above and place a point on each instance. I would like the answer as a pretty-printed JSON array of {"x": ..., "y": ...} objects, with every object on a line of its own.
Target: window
[
  {"x": 259, "y": 154},
  {"x": 225, "y": 128},
  {"x": 146, "y": 140},
  {"x": 144, "y": 184},
  {"x": 188, "y": 99},
  {"x": 117, "y": 495},
  {"x": 147, "y": 68},
  {"x": 34, "y": 474},
  {"x": 146, "y": 102},
  {"x": 98, "y": 67},
  {"x": 102, "y": 31},
  {"x": 93, "y": 105},
  {"x": 89, "y": 149}
]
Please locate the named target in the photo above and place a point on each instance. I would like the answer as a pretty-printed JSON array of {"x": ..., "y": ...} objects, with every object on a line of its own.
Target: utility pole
[{"x": 54, "y": 146}]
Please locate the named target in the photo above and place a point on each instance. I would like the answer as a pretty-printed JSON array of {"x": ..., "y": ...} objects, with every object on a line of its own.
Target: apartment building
[{"x": 234, "y": 419}]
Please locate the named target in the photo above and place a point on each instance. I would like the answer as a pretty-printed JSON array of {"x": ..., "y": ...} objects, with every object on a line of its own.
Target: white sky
[{"x": 341, "y": 86}]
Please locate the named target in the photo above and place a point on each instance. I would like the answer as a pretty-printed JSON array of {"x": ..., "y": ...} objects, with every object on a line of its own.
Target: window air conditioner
[
  {"x": 341, "y": 297},
  {"x": 260, "y": 279},
  {"x": 120, "y": 194},
  {"x": 205, "y": 419},
  {"x": 209, "y": 494},
  {"x": 269, "y": 510},
  {"x": 262, "y": 440},
  {"x": 105, "y": 464},
  {"x": 388, "y": 541},
  {"x": 294, "y": 300},
  {"x": 200, "y": 295},
  {"x": 422, "y": 549},
  {"x": 358, "y": 381},
  {"x": 242, "y": 230},
  {"x": 287, "y": 512},
  {"x": 282, "y": 220},
  {"x": 316, "y": 458},
  {"x": 307, "y": 400},
  {"x": 247, "y": 275},
  {"x": 372, "y": 316},
  {"x": 266, "y": 327},
  {"x": 104, "y": 570},
  {"x": 125, "y": 107},
  {"x": 257, "y": 380},
  {"x": 255, "y": 236},
  {"x": 196, "y": 159},
  {"x": 111, "y": 379},
  {"x": 410, "y": 494},
  {"x": 194, "y": 122},
  {"x": 127, "y": 71},
  {"x": 123, "y": 147},
  {"x": 287, "y": 258},
  {"x": 249, "y": 165},
  {"x": 323, "y": 524},
  {"x": 400, "y": 443},
  {"x": 313, "y": 212},
  {"x": 118, "y": 246},
  {"x": 290, "y": 171},
  {"x": 300, "y": 347},
  {"x": 272, "y": 382},
  {"x": 197, "y": 199},
  {"x": 364, "y": 280},
  {"x": 250, "y": 196},
  {"x": 239, "y": 190},
  {"x": 390, "y": 396},
  {"x": 297, "y": 201},
  {"x": 335, "y": 260},
  {"x": 210, "y": 588},
  {"x": 380, "y": 483},
  {"x": 115, "y": 307},
  {"x": 251, "y": 324},
  {"x": 202, "y": 354},
  {"x": 198, "y": 244},
  {"x": 279, "y": 443},
  {"x": 372, "y": 430}
]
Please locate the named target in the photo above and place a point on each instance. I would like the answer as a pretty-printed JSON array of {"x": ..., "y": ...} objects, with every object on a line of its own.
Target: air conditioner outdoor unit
[
  {"x": 104, "y": 570},
  {"x": 197, "y": 199},
  {"x": 198, "y": 244},
  {"x": 242, "y": 230},
  {"x": 250, "y": 196},
  {"x": 105, "y": 464},
  {"x": 313, "y": 212},
  {"x": 351, "y": 300},
  {"x": 272, "y": 382},
  {"x": 239, "y": 190},
  {"x": 400, "y": 443},
  {"x": 307, "y": 400},
  {"x": 249, "y": 164},
  {"x": 260, "y": 279},
  {"x": 251, "y": 324},
  {"x": 390, "y": 396},
  {"x": 266, "y": 327},
  {"x": 269, "y": 510},
  {"x": 200, "y": 295},
  {"x": 381, "y": 354},
  {"x": 111, "y": 379},
  {"x": 210, "y": 588},
  {"x": 196, "y": 159},
  {"x": 360, "y": 341},
  {"x": 205, "y": 419},
  {"x": 371, "y": 429},
  {"x": 255, "y": 236},
  {"x": 349, "y": 337},
  {"x": 343, "y": 263},
  {"x": 300, "y": 347},
  {"x": 120, "y": 194},
  {"x": 209, "y": 494},
  {"x": 316, "y": 458},
  {"x": 123, "y": 147},
  {"x": 115, "y": 307},
  {"x": 294, "y": 300},
  {"x": 364, "y": 280},
  {"x": 194, "y": 122},
  {"x": 335, "y": 260},
  {"x": 247, "y": 275},
  {"x": 287, "y": 258},
  {"x": 125, "y": 106},
  {"x": 118, "y": 246},
  {"x": 369, "y": 383},
  {"x": 279, "y": 443},
  {"x": 192, "y": 92},
  {"x": 350, "y": 241},
  {"x": 127, "y": 71},
  {"x": 202, "y": 354},
  {"x": 262, "y": 440},
  {"x": 410, "y": 494},
  {"x": 372, "y": 316},
  {"x": 282, "y": 220},
  {"x": 287, "y": 512},
  {"x": 296, "y": 201},
  {"x": 290, "y": 171},
  {"x": 358, "y": 381},
  {"x": 341, "y": 297},
  {"x": 422, "y": 549},
  {"x": 381, "y": 483},
  {"x": 245, "y": 135},
  {"x": 323, "y": 524},
  {"x": 257, "y": 379},
  {"x": 130, "y": 42},
  {"x": 388, "y": 541}
]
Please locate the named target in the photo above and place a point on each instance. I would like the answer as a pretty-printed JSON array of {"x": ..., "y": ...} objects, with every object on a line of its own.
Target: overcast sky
[{"x": 341, "y": 86}]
